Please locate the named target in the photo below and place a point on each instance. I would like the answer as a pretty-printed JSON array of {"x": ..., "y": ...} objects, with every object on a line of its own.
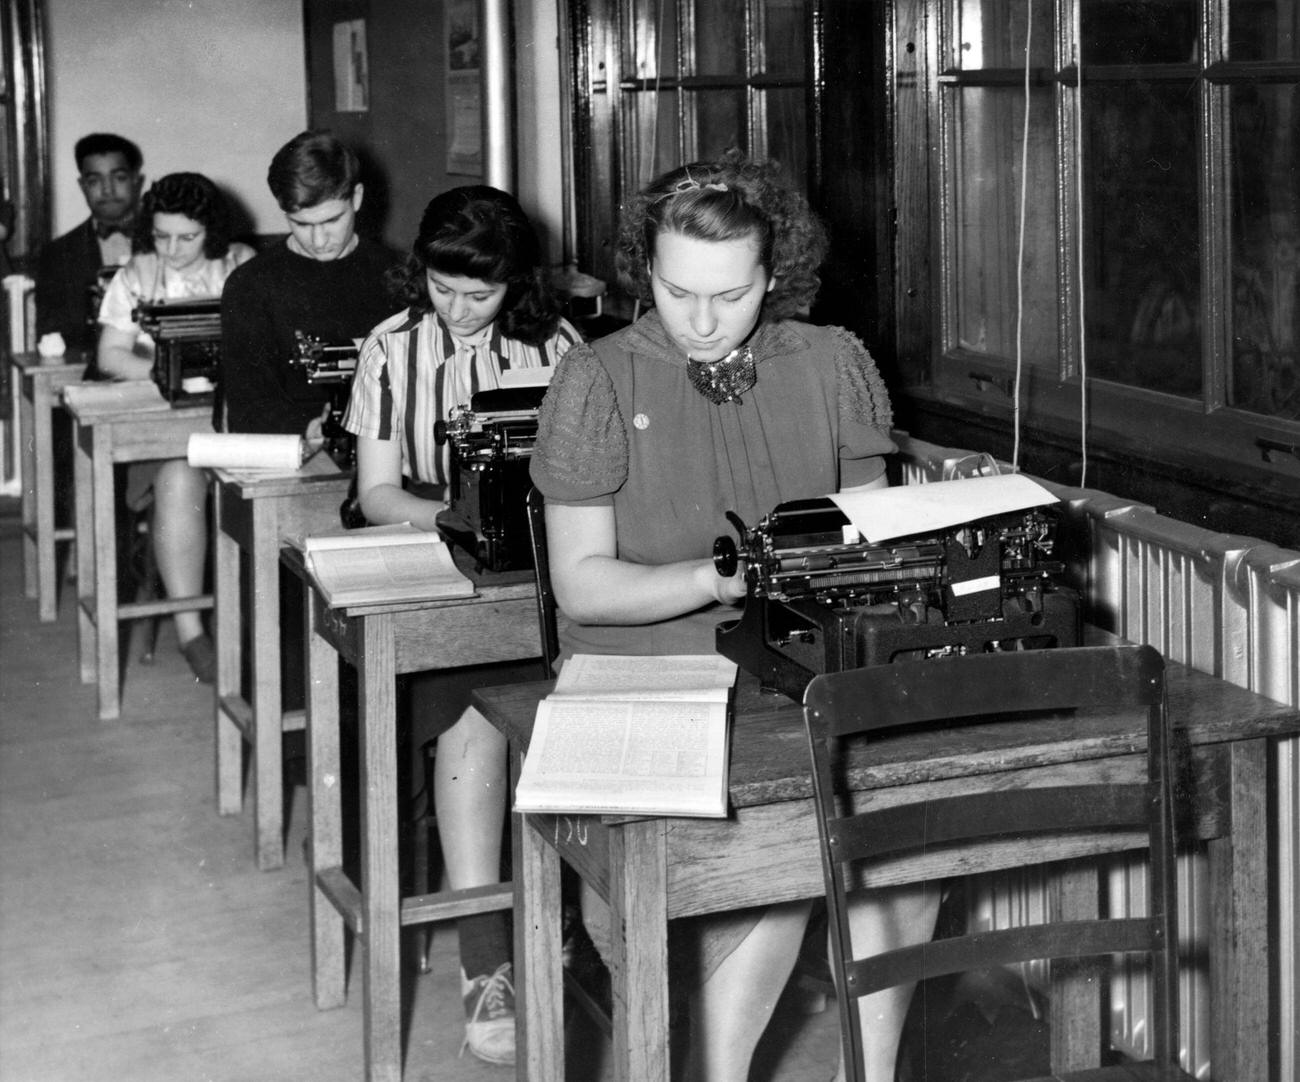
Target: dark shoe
[
  {"x": 490, "y": 1016},
  {"x": 202, "y": 658}
]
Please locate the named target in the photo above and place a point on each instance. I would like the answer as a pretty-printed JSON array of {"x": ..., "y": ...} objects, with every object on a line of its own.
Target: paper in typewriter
[
  {"x": 631, "y": 735},
  {"x": 880, "y": 514}
]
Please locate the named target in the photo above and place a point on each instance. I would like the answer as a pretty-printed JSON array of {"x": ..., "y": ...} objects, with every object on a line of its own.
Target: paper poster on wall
[
  {"x": 464, "y": 89},
  {"x": 351, "y": 69}
]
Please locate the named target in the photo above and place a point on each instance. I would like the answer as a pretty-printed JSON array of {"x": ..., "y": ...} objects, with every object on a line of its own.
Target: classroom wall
[
  {"x": 213, "y": 86},
  {"x": 402, "y": 133}
]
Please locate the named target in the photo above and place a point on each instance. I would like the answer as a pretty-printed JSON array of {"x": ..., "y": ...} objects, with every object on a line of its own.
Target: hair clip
[{"x": 690, "y": 184}]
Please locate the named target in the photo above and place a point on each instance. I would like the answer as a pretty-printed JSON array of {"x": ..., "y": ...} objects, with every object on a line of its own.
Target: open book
[
  {"x": 631, "y": 736},
  {"x": 380, "y": 564}
]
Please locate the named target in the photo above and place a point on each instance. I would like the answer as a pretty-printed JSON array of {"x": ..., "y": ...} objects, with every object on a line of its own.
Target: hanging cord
[
  {"x": 1078, "y": 213},
  {"x": 654, "y": 113},
  {"x": 1020, "y": 252}
]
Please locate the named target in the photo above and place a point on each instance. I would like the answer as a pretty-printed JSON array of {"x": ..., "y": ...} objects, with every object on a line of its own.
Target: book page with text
[{"x": 672, "y": 676}]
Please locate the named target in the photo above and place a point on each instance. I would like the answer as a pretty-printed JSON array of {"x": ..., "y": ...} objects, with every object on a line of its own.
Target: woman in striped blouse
[{"x": 478, "y": 305}]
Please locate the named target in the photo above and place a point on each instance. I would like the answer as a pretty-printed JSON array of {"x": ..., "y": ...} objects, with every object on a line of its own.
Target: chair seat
[{"x": 1126, "y": 1072}]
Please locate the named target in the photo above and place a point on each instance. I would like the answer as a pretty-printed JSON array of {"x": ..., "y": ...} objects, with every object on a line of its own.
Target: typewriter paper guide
[
  {"x": 883, "y": 513},
  {"x": 631, "y": 736}
]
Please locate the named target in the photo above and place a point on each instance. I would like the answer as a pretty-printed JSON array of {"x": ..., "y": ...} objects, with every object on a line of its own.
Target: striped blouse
[{"x": 404, "y": 382}]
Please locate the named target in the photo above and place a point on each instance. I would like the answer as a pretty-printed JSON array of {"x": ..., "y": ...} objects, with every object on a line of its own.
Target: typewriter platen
[
  {"x": 492, "y": 443},
  {"x": 816, "y": 603},
  {"x": 330, "y": 365},
  {"x": 187, "y": 347}
]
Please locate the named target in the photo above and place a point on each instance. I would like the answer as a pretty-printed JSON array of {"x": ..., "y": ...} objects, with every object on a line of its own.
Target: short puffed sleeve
[
  {"x": 370, "y": 404},
  {"x": 866, "y": 415},
  {"x": 581, "y": 453}
]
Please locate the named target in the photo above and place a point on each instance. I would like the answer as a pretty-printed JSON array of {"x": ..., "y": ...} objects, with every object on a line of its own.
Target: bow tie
[{"x": 104, "y": 230}]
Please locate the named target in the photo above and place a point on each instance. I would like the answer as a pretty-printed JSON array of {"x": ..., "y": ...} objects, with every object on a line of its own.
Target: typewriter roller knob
[
  {"x": 440, "y": 432},
  {"x": 726, "y": 558}
]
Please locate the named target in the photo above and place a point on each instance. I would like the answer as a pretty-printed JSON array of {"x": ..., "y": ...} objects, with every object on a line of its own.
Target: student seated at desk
[
  {"x": 478, "y": 305},
  {"x": 182, "y": 251},
  {"x": 716, "y": 400}
]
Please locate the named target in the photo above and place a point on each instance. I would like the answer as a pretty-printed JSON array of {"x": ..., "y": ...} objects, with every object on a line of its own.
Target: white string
[
  {"x": 1078, "y": 210},
  {"x": 1020, "y": 254}
]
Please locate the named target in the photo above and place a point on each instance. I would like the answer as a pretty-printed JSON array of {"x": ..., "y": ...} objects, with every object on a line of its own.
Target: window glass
[
  {"x": 719, "y": 122},
  {"x": 1139, "y": 31},
  {"x": 719, "y": 37},
  {"x": 652, "y": 134},
  {"x": 784, "y": 36},
  {"x": 787, "y": 131},
  {"x": 986, "y": 178},
  {"x": 991, "y": 34},
  {"x": 1265, "y": 372},
  {"x": 1264, "y": 30},
  {"x": 1141, "y": 239},
  {"x": 650, "y": 40}
]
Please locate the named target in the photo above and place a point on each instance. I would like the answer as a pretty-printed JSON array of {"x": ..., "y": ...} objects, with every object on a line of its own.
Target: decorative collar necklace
[{"x": 725, "y": 379}]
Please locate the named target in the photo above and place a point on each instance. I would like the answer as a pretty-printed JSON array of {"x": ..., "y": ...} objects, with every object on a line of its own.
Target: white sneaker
[{"x": 490, "y": 1016}]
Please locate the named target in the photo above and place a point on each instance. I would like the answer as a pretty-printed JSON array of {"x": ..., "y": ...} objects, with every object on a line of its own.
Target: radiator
[{"x": 1222, "y": 603}]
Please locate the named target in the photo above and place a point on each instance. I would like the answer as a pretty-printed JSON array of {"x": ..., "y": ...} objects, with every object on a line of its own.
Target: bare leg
[
  {"x": 882, "y": 920},
  {"x": 180, "y": 536},
  {"x": 469, "y": 792},
  {"x": 731, "y": 1009}
]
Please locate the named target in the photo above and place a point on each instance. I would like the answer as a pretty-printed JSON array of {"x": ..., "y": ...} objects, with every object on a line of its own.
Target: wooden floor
[{"x": 138, "y": 941}]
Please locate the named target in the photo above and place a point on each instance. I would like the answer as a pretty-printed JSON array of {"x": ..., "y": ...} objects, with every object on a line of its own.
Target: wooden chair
[
  {"x": 841, "y": 708},
  {"x": 545, "y": 595}
]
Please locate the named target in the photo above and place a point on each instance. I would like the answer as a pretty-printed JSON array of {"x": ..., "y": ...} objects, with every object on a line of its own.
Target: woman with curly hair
[
  {"x": 181, "y": 251},
  {"x": 478, "y": 306},
  {"x": 717, "y": 400}
]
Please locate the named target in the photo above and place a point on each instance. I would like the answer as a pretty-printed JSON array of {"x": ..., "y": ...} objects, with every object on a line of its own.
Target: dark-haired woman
[
  {"x": 182, "y": 251},
  {"x": 720, "y": 399},
  {"x": 478, "y": 306}
]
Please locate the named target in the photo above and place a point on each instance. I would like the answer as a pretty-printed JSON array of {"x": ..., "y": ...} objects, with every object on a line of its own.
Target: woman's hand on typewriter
[
  {"x": 314, "y": 436},
  {"x": 726, "y": 589}
]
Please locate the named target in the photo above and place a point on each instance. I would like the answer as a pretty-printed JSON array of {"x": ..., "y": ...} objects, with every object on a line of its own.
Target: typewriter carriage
[{"x": 330, "y": 365}]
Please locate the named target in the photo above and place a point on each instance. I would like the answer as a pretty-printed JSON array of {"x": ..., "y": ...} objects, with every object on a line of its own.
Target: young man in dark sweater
[{"x": 323, "y": 280}]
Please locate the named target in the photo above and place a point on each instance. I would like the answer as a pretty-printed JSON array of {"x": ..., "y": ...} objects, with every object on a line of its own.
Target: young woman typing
[{"x": 717, "y": 400}]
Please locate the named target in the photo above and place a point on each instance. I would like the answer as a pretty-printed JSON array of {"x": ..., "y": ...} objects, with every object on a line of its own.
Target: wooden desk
[
  {"x": 654, "y": 870},
  {"x": 499, "y": 623},
  {"x": 38, "y": 391},
  {"x": 135, "y": 428},
  {"x": 252, "y": 514}
]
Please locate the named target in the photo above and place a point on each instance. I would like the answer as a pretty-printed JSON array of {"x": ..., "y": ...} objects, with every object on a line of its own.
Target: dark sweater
[{"x": 269, "y": 298}]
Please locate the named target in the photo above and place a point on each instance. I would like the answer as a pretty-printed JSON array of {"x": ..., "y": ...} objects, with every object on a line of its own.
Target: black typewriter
[
  {"x": 187, "y": 347},
  {"x": 491, "y": 447},
  {"x": 818, "y": 601},
  {"x": 330, "y": 365}
]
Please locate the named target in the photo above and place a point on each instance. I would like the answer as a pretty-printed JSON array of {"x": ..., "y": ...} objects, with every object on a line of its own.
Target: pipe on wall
[{"x": 498, "y": 105}]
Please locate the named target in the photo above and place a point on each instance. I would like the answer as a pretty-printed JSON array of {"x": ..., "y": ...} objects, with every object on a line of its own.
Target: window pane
[
  {"x": 987, "y": 199},
  {"x": 719, "y": 122},
  {"x": 719, "y": 37},
  {"x": 1139, "y": 31},
  {"x": 1141, "y": 243},
  {"x": 991, "y": 34},
  {"x": 650, "y": 40},
  {"x": 784, "y": 36},
  {"x": 652, "y": 140},
  {"x": 787, "y": 132},
  {"x": 1264, "y": 30},
  {"x": 1266, "y": 250}
]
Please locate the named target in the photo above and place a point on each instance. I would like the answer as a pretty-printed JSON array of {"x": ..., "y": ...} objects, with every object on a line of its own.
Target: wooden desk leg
[
  {"x": 42, "y": 437},
  {"x": 325, "y": 840},
  {"x": 1076, "y": 983},
  {"x": 227, "y": 629},
  {"x": 1239, "y": 963},
  {"x": 268, "y": 708},
  {"x": 107, "y": 657},
  {"x": 24, "y": 396},
  {"x": 539, "y": 966},
  {"x": 638, "y": 903},
  {"x": 86, "y": 646},
  {"x": 381, "y": 891}
]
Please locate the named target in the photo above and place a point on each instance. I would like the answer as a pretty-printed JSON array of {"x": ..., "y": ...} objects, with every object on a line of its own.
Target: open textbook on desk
[
  {"x": 381, "y": 564},
  {"x": 638, "y": 735}
]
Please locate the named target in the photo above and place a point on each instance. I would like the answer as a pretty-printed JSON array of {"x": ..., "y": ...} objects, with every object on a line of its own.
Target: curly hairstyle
[
  {"x": 190, "y": 194},
  {"x": 481, "y": 232},
  {"x": 312, "y": 168},
  {"x": 723, "y": 200}
]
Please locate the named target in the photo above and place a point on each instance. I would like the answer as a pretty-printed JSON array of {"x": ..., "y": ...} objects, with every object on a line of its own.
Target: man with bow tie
[{"x": 110, "y": 180}]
